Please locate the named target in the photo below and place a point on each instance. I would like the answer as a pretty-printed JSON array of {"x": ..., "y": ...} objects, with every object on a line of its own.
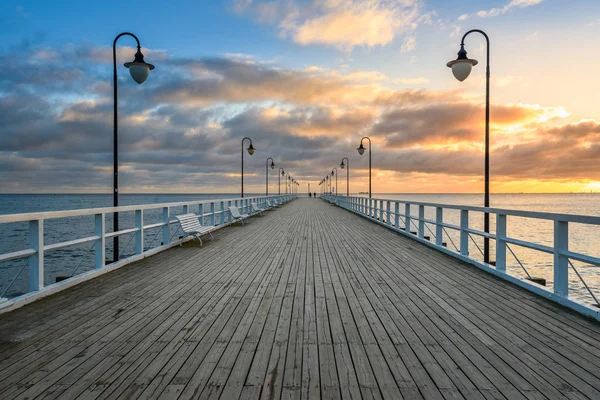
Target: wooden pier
[{"x": 309, "y": 301}]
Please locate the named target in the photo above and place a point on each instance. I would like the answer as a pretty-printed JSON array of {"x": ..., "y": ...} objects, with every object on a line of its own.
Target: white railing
[
  {"x": 397, "y": 215},
  {"x": 215, "y": 212}
]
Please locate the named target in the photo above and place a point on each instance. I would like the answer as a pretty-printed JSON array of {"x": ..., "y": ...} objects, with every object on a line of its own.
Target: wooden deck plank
[{"x": 309, "y": 301}]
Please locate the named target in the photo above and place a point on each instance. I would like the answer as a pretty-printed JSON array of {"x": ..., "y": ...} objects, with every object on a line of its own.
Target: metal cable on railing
[
  {"x": 582, "y": 281},
  {"x": 476, "y": 245},
  {"x": 451, "y": 241},
  {"x": 123, "y": 250},
  {"x": 82, "y": 258},
  {"x": 519, "y": 261},
  {"x": 15, "y": 278}
]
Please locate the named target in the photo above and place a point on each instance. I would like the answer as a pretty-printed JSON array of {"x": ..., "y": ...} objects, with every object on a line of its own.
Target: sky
[{"x": 305, "y": 80}]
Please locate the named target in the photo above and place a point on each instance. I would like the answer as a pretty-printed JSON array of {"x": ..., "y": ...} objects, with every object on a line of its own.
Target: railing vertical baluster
[
  {"x": 422, "y": 221},
  {"x": 439, "y": 228},
  {"x": 222, "y": 209},
  {"x": 229, "y": 205},
  {"x": 370, "y": 208},
  {"x": 388, "y": 220},
  {"x": 407, "y": 217},
  {"x": 501, "y": 242},
  {"x": 380, "y": 210},
  {"x": 99, "y": 246},
  {"x": 139, "y": 235},
  {"x": 36, "y": 261},
  {"x": 185, "y": 209},
  {"x": 212, "y": 213},
  {"x": 397, "y": 216},
  {"x": 464, "y": 235},
  {"x": 166, "y": 228},
  {"x": 201, "y": 213},
  {"x": 561, "y": 262}
]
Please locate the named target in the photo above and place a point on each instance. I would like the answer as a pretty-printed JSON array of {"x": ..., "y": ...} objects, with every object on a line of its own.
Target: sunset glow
[{"x": 305, "y": 79}]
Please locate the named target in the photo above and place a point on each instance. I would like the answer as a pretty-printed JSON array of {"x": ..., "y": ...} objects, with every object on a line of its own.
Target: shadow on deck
[{"x": 308, "y": 301}]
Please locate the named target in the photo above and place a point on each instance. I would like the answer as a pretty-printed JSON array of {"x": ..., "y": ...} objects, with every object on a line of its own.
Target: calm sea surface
[{"x": 582, "y": 238}]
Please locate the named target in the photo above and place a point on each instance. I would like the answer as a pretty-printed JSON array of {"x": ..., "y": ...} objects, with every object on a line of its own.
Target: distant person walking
[
  {"x": 315, "y": 194},
  {"x": 309, "y": 194}
]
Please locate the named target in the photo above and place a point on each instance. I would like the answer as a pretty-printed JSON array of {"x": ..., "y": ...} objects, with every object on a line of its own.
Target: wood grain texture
[{"x": 309, "y": 301}]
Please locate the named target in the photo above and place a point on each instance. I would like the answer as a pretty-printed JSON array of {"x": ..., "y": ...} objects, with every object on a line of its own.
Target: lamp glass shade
[
  {"x": 361, "y": 149},
  {"x": 272, "y": 165},
  {"x": 342, "y": 165},
  {"x": 461, "y": 68},
  {"x": 251, "y": 149},
  {"x": 331, "y": 173},
  {"x": 139, "y": 71}
]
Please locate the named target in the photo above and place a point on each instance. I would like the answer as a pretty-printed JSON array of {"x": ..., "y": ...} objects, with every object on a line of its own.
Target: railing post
[
  {"x": 201, "y": 213},
  {"x": 407, "y": 217},
  {"x": 139, "y": 235},
  {"x": 561, "y": 262},
  {"x": 464, "y": 235},
  {"x": 166, "y": 228},
  {"x": 381, "y": 211},
  {"x": 397, "y": 216},
  {"x": 212, "y": 213},
  {"x": 371, "y": 208},
  {"x": 222, "y": 207},
  {"x": 36, "y": 261},
  {"x": 501, "y": 242},
  {"x": 99, "y": 246},
  {"x": 439, "y": 228},
  {"x": 229, "y": 214},
  {"x": 388, "y": 220},
  {"x": 421, "y": 222},
  {"x": 185, "y": 209}
]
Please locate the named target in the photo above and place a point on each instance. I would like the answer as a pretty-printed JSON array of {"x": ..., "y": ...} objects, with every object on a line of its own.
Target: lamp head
[
  {"x": 361, "y": 149},
  {"x": 331, "y": 172},
  {"x": 251, "y": 149},
  {"x": 272, "y": 165},
  {"x": 138, "y": 68},
  {"x": 461, "y": 67},
  {"x": 342, "y": 165}
]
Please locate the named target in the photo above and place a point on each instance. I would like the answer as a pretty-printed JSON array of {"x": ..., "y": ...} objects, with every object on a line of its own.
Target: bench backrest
[
  {"x": 235, "y": 213},
  {"x": 189, "y": 223},
  {"x": 254, "y": 206}
]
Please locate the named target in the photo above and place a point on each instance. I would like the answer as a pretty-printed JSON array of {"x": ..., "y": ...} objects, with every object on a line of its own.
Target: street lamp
[
  {"x": 280, "y": 174},
  {"x": 336, "y": 182},
  {"x": 361, "y": 151},
  {"x": 461, "y": 68},
  {"x": 139, "y": 70},
  {"x": 327, "y": 181},
  {"x": 342, "y": 165},
  {"x": 250, "y": 150},
  {"x": 267, "y": 174}
]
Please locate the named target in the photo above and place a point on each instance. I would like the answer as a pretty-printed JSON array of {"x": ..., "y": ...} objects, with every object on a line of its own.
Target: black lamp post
[
  {"x": 461, "y": 68},
  {"x": 250, "y": 150},
  {"x": 139, "y": 70},
  {"x": 336, "y": 181},
  {"x": 280, "y": 174},
  {"x": 342, "y": 165},
  {"x": 267, "y": 174},
  {"x": 361, "y": 151}
]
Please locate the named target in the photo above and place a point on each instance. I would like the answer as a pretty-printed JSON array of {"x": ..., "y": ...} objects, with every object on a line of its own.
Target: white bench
[
  {"x": 191, "y": 226},
  {"x": 235, "y": 214},
  {"x": 256, "y": 209}
]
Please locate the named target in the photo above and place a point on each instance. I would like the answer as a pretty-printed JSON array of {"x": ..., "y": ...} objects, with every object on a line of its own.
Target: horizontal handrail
[
  {"x": 375, "y": 208},
  {"x": 215, "y": 210}
]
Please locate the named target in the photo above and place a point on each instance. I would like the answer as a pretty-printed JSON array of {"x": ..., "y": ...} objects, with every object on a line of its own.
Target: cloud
[
  {"x": 411, "y": 81},
  {"x": 182, "y": 128},
  {"x": 493, "y": 12},
  {"x": 341, "y": 23},
  {"x": 409, "y": 44}
]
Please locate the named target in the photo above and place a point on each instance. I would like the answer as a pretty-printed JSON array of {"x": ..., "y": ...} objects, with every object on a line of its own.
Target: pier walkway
[{"x": 309, "y": 301}]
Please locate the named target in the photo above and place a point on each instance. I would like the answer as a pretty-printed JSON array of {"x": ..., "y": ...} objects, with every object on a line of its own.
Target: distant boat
[{"x": 363, "y": 192}]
